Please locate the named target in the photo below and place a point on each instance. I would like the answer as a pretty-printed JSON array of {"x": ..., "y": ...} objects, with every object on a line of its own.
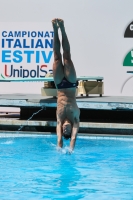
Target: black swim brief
[{"x": 66, "y": 84}]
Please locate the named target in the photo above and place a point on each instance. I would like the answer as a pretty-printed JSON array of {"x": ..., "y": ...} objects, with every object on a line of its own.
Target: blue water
[{"x": 32, "y": 168}]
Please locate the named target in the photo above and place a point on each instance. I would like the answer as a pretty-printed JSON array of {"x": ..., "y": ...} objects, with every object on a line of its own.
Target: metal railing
[{"x": 97, "y": 78}]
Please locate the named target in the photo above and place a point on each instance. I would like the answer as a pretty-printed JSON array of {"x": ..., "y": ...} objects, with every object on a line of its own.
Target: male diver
[{"x": 64, "y": 74}]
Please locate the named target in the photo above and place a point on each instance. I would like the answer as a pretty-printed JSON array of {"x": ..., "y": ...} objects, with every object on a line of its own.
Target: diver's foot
[
  {"x": 55, "y": 24},
  {"x": 60, "y": 23}
]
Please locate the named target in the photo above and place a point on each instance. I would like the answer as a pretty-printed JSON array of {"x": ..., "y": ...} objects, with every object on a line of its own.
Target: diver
[{"x": 64, "y": 74}]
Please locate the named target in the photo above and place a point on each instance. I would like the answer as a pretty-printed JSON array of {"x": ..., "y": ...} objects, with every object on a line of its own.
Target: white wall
[{"x": 95, "y": 30}]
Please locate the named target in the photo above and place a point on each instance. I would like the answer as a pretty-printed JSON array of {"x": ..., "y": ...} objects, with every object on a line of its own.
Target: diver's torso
[{"x": 66, "y": 105}]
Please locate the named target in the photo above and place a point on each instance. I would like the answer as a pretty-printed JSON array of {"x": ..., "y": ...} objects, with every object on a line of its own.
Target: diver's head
[{"x": 67, "y": 129}]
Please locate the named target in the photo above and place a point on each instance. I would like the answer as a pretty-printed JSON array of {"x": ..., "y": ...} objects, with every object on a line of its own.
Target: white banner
[{"x": 26, "y": 50}]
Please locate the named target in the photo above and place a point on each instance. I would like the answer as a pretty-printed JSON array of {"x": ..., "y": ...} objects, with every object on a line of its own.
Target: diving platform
[
  {"x": 48, "y": 78},
  {"x": 105, "y": 107},
  {"x": 83, "y": 102},
  {"x": 102, "y": 115},
  {"x": 86, "y": 85},
  {"x": 99, "y": 113}
]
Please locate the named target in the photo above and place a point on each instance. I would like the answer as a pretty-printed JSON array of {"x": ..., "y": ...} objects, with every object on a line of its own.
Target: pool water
[{"x": 32, "y": 168}]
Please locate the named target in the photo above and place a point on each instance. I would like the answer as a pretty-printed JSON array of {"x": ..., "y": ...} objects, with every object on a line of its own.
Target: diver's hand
[{"x": 70, "y": 151}]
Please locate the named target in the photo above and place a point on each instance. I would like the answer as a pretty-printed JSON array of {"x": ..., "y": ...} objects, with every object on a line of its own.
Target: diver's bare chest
[{"x": 67, "y": 112}]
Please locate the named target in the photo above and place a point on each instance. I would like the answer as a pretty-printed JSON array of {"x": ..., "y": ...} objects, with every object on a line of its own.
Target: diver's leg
[
  {"x": 69, "y": 69},
  {"x": 58, "y": 72}
]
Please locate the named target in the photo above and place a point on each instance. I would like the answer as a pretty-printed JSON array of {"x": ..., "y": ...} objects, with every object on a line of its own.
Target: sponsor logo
[
  {"x": 128, "y": 60},
  {"x": 26, "y": 54},
  {"x": 39, "y": 72},
  {"x": 129, "y": 31}
]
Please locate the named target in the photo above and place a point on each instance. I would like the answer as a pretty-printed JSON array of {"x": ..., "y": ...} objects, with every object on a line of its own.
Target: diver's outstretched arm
[
  {"x": 59, "y": 134},
  {"x": 74, "y": 135}
]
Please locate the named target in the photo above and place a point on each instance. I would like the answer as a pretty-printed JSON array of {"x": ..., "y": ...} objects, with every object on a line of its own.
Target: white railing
[{"x": 98, "y": 78}]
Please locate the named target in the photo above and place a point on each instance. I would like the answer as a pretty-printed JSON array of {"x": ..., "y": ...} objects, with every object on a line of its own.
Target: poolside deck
[
  {"x": 91, "y": 102},
  {"x": 101, "y": 115}
]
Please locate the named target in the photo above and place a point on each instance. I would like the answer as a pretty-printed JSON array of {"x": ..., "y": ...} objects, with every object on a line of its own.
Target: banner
[{"x": 26, "y": 50}]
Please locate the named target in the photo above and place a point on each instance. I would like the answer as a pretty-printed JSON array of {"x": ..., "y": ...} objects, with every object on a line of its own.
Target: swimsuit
[{"x": 66, "y": 84}]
